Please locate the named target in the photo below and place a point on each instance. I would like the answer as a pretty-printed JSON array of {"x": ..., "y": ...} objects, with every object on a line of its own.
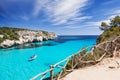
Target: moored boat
[{"x": 33, "y": 57}]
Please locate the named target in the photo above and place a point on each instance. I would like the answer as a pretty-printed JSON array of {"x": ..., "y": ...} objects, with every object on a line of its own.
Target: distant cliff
[{"x": 15, "y": 36}]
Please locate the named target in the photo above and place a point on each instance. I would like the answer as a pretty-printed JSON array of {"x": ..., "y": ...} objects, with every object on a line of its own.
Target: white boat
[{"x": 33, "y": 57}]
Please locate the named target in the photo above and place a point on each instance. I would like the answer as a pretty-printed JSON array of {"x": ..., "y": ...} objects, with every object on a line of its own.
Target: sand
[{"x": 107, "y": 69}]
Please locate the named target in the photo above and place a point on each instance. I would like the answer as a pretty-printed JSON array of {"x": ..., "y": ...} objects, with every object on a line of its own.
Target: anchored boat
[{"x": 33, "y": 57}]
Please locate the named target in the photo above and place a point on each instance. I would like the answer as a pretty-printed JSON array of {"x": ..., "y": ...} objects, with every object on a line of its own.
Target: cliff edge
[{"x": 15, "y": 36}]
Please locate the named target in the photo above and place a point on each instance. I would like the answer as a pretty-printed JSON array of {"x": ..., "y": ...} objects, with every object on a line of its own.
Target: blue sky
[{"x": 64, "y": 17}]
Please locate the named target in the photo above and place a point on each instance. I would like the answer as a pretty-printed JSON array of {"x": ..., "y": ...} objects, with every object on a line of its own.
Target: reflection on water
[
  {"x": 32, "y": 45},
  {"x": 36, "y": 44}
]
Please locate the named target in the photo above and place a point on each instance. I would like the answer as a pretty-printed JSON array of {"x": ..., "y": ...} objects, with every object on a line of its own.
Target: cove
[{"x": 14, "y": 64}]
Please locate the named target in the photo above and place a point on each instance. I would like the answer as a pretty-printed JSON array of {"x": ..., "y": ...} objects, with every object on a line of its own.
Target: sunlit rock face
[
  {"x": 7, "y": 43},
  {"x": 28, "y": 36},
  {"x": 1, "y": 36}
]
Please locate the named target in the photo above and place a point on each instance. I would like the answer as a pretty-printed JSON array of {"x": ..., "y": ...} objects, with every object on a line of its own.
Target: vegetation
[
  {"x": 109, "y": 34},
  {"x": 9, "y": 33},
  {"x": 45, "y": 33},
  {"x": 104, "y": 26},
  {"x": 115, "y": 22},
  {"x": 86, "y": 58},
  {"x": 99, "y": 52},
  {"x": 110, "y": 31},
  {"x": 1, "y": 40}
]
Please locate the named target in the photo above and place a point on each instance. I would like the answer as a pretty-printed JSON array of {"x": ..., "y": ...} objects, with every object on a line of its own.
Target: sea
[{"x": 15, "y": 64}]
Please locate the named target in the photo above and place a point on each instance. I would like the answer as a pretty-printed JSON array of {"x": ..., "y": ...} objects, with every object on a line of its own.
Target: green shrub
[
  {"x": 113, "y": 31},
  {"x": 1, "y": 40},
  {"x": 9, "y": 33}
]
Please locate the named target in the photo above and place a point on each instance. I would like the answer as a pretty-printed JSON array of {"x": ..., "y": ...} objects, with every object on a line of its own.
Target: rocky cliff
[{"x": 23, "y": 36}]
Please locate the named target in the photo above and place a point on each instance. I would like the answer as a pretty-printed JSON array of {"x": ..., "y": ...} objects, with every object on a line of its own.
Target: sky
[{"x": 64, "y": 17}]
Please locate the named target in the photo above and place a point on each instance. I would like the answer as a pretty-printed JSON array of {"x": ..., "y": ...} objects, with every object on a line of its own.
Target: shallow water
[{"x": 14, "y": 64}]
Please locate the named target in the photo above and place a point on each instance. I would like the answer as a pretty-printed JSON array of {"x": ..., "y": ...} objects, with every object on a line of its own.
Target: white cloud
[
  {"x": 72, "y": 27},
  {"x": 110, "y": 13},
  {"x": 39, "y": 5},
  {"x": 89, "y": 25},
  {"x": 61, "y": 22},
  {"x": 78, "y": 19},
  {"x": 115, "y": 11},
  {"x": 61, "y": 11},
  {"x": 93, "y": 23},
  {"x": 24, "y": 18},
  {"x": 82, "y": 18},
  {"x": 112, "y": 16},
  {"x": 96, "y": 23}
]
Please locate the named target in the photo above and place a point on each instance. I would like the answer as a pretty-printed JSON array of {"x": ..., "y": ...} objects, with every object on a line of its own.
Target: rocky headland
[{"x": 16, "y": 36}]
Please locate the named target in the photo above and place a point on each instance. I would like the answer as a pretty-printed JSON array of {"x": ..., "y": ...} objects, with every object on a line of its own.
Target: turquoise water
[{"x": 14, "y": 64}]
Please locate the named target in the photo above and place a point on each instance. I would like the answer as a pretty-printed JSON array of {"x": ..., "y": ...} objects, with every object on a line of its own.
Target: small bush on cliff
[
  {"x": 111, "y": 30},
  {"x": 115, "y": 22},
  {"x": 9, "y": 33},
  {"x": 1, "y": 40}
]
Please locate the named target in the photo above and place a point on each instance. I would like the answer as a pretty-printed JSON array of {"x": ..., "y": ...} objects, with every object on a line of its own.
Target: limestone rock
[{"x": 28, "y": 36}]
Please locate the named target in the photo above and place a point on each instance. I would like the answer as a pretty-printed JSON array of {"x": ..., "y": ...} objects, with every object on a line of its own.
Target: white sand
[{"x": 107, "y": 69}]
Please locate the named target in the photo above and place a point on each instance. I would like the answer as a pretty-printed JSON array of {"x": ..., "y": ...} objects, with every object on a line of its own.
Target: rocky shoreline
[{"x": 28, "y": 36}]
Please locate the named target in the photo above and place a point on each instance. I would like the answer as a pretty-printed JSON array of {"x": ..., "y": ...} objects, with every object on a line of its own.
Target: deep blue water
[{"x": 14, "y": 64}]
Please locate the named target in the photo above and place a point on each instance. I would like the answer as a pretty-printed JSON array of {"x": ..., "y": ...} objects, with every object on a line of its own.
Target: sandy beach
[{"x": 107, "y": 69}]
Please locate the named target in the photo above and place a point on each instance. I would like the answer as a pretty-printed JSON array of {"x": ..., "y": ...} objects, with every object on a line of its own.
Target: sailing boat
[{"x": 33, "y": 57}]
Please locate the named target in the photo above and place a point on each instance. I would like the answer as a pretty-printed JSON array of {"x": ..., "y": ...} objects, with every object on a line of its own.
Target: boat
[{"x": 33, "y": 57}]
